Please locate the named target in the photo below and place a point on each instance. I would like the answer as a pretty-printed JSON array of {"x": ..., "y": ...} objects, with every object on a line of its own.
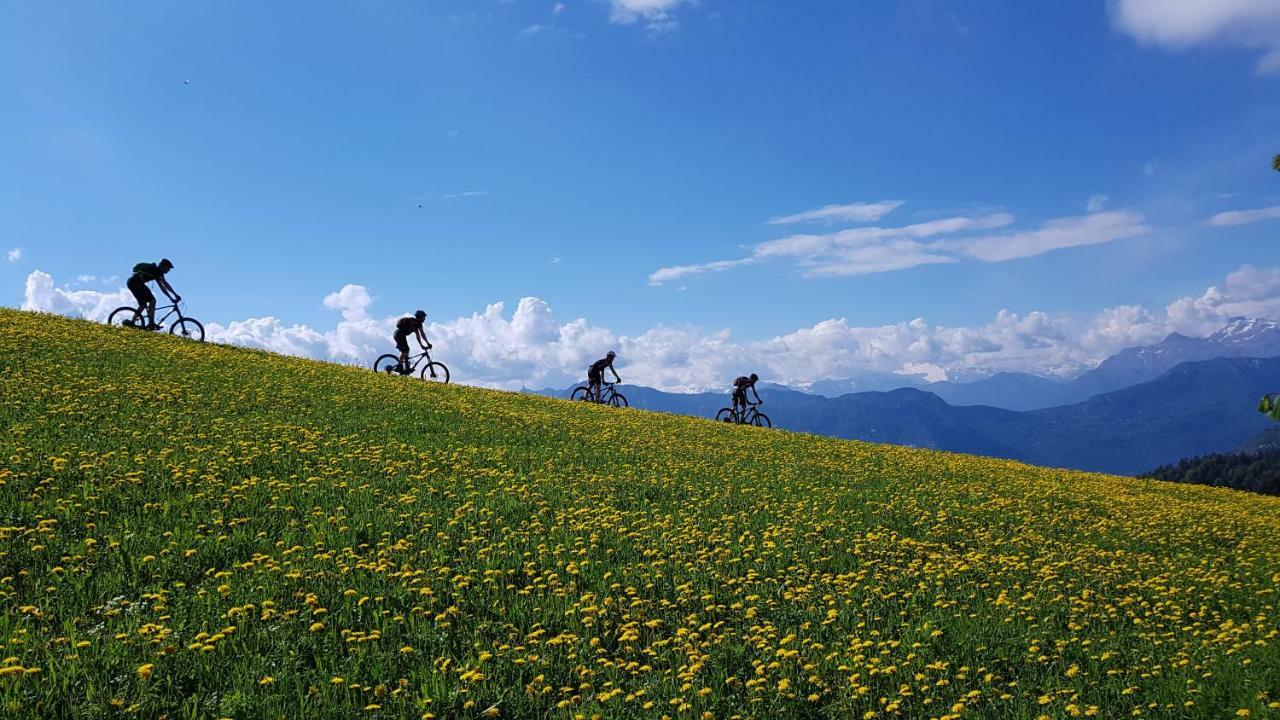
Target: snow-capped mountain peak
[{"x": 1244, "y": 330}]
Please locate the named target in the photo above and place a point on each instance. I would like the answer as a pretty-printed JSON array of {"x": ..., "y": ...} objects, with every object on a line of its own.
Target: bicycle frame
[
  {"x": 169, "y": 311},
  {"x": 604, "y": 395},
  {"x": 745, "y": 416},
  {"x": 416, "y": 360}
]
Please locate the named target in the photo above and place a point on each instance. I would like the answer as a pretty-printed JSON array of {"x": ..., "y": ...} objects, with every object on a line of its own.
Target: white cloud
[
  {"x": 42, "y": 294},
  {"x": 352, "y": 300},
  {"x": 1180, "y": 24},
  {"x": 853, "y": 212},
  {"x": 557, "y": 8},
  {"x": 662, "y": 275},
  {"x": 1249, "y": 292},
  {"x": 865, "y": 250},
  {"x": 531, "y": 347},
  {"x": 1244, "y": 217},
  {"x": 15, "y": 254},
  {"x": 656, "y": 14},
  {"x": 1091, "y": 229},
  {"x": 1097, "y": 203}
]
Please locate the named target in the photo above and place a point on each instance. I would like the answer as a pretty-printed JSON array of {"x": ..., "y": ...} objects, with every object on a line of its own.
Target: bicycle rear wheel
[
  {"x": 579, "y": 393},
  {"x": 435, "y": 371},
  {"x": 725, "y": 415},
  {"x": 123, "y": 317},
  {"x": 189, "y": 328},
  {"x": 389, "y": 364},
  {"x": 761, "y": 420},
  {"x": 618, "y": 400}
]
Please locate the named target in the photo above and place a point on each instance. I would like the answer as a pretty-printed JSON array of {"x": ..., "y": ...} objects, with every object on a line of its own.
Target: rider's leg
[
  {"x": 143, "y": 296},
  {"x": 402, "y": 344}
]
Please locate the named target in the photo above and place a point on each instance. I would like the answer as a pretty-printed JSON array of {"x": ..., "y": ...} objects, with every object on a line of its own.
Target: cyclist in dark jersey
[
  {"x": 405, "y": 327},
  {"x": 740, "y": 388},
  {"x": 595, "y": 373},
  {"x": 144, "y": 273}
]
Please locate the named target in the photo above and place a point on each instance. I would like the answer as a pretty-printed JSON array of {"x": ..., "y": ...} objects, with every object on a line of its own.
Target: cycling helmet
[
  {"x": 421, "y": 315},
  {"x": 612, "y": 355},
  {"x": 754, "y": 377},
  {"x": 166, "y": 264}
]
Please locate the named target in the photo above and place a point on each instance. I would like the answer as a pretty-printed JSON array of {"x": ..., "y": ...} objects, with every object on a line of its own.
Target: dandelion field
[{"x": 196, "y": 531}]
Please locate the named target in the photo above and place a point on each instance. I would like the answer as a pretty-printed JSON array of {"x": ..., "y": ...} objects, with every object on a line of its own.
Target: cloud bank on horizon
[{"x": 531, "y": 348}]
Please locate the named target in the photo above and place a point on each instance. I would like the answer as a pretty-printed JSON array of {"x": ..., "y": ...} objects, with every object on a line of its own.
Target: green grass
[{"x": 196, "y": 531}]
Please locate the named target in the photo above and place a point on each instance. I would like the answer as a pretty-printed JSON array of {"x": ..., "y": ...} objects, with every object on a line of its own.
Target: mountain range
[
  {"x": 1240, "y": 337},
  {"x": 1141, "y": 408}
]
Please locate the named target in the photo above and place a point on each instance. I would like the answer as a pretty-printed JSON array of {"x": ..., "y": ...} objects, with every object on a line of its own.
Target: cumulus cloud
[
  {"x": 1249, "y": 291},
  {"x": 529, "y": 346},
  {"x": 15, "y": 254},
  {"x": 1179, "y": 24},
  {"x": 42, "y": 294},
  {"x": 657, "y": 15},
  {"x": 352, "y": 300},
  {"x": 853, "y": 212},
  {"x": 1244, "y": 217}
]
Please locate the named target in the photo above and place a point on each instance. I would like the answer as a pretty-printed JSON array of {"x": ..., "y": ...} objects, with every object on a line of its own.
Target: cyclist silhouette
[
  {"x": 740, "y": 388},
  {"x": 144, "y": 273},
  {"x": 595, "y": 373},
  {"x": 405, "y": 327}
]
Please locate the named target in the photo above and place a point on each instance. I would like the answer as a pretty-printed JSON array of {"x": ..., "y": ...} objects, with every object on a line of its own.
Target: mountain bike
[
  {"x": 183, "y": 326},
  {"x": 751, "y": 416},
  {"x": 607, "y": 395},
  {"x": 431, "y": 370}
]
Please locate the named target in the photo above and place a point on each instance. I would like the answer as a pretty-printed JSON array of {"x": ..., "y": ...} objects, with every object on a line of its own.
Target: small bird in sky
[{"x": 186, "y": 82}]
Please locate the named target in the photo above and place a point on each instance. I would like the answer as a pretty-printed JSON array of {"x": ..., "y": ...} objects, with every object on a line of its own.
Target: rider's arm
[
  {"x": 616, "y": 376},
  {"x": 167, "y": 289},
  {"x": 422, "y": 339},
  {"x": 757, "y": 394}
]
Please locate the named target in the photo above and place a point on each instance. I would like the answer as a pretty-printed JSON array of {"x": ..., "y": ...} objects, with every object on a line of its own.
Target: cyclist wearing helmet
[
  {"x": 405, "y": 327},
  {"x": 740, "y": 387},
  {"x": 595, "y": 373},
  {"x": 144, "y": 273}
]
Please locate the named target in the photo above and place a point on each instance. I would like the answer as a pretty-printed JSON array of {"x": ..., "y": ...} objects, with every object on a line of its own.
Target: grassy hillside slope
[{"x": 201, "y": 531}]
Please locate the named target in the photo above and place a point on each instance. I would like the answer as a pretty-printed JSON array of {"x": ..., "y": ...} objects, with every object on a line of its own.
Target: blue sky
[{"x": 452, "y": 154}]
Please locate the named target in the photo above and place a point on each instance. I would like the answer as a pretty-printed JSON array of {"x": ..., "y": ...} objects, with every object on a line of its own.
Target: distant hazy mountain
[
  {"x": 1013, "y": 391},
  {"x": 1265, "y": 441},
  {"x": 1194, "y": 409},
  {"x": 1241, "y": 337}
]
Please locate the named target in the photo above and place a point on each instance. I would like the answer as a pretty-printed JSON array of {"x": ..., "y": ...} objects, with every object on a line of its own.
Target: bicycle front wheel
[
  {"x": 725, "y": 415},
  {"x": 189, "y": 328},
  {"x": 435, "y": 371},
  {"x": 123, "y": 317},
  {"x": 761, "y": 420},
  {"x": 618, "y": 400},
  {"x": 388, "y": 364}
]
